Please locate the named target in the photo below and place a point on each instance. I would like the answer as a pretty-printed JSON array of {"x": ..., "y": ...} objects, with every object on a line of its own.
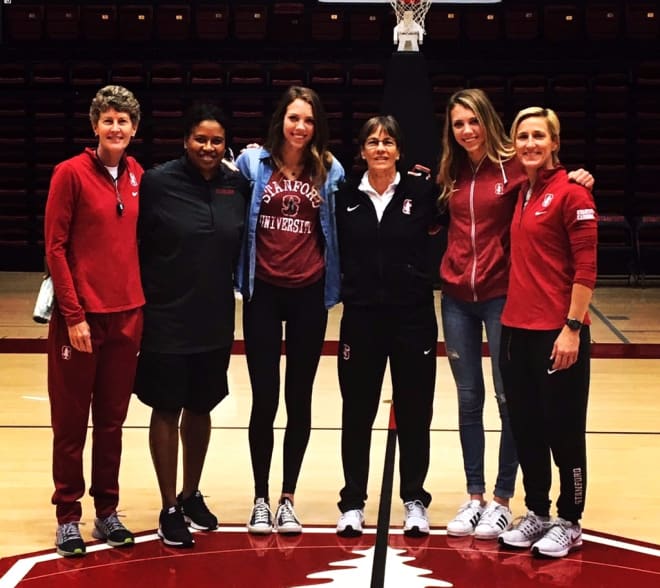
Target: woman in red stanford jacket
[
  {"x": 94, "y": 334},
  {"x": 545, "y": 345}
]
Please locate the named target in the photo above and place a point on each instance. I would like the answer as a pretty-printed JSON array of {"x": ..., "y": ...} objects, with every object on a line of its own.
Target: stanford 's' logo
[
  {"x": 346, "y": 351},
  {"x": 290, "y": 205}
]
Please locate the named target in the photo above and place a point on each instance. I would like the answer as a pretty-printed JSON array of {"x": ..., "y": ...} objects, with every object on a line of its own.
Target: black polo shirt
[{"x": 189, "y": 232}]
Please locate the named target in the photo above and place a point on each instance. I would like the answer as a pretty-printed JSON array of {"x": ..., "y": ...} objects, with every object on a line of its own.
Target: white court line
[
  {"x": 22, "y": 567},
  {"x": 618, "y": 543}
]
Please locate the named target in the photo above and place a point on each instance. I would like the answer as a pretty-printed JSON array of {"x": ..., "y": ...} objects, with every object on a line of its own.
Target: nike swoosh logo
[
  {"x": 427, "y": 351},
  {"x": 550, "y": 372},
  {"x": 540, "y": 212},
  {"x": 352, "y": 208},
  {"x": 134, "y": 193}
]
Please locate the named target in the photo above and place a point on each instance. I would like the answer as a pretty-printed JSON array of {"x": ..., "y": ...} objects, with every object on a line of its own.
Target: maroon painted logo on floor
[{"x": 231, "y": 557}]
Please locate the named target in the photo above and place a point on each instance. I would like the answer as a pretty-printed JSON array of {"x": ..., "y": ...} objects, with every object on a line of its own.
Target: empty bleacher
[{"x": 597, "y": 63}]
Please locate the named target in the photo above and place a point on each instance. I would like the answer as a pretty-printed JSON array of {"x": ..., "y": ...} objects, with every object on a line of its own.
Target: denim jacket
[{"x": 255, "y": 165}]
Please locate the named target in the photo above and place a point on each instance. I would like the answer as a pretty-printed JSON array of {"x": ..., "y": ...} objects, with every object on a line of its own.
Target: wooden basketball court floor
[{"x": 623, "y": 496}]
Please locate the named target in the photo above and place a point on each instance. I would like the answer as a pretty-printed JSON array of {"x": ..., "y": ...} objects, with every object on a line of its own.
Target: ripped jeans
[{"x": 462, "y": 327}]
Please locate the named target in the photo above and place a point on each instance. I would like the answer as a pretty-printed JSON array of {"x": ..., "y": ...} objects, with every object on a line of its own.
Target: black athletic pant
[
  {"x": 407, "y": 335},
  {"x": 305, "y": 316},
  {"x": 548, "y": 413}
]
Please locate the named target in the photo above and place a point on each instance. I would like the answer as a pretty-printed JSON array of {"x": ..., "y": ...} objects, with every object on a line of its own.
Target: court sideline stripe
[
  {"x": 608, "y": 323},
  {"x": 384, "y": 507},
  {"x": 622, "y": 350},
  {"x": 16, "y": 427}
]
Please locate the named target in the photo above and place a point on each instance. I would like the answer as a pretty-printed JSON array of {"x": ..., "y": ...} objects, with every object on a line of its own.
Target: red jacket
[
  {"x": 91, "y": 251},
  {"x": 475, "y": 266},
  {"x": 553, "y": 246}
]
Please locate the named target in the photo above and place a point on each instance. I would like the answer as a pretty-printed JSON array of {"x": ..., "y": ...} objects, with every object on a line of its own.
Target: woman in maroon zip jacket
[
  {"x": 479, "y": 178},
  {"x": 545, "y": 336},
  {"x": 94, "y": 333}
]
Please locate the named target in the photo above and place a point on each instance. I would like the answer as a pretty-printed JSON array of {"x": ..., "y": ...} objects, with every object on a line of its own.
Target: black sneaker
[
  {"x": 172, "y": 528},
  {"x": 286, "y": 521},
  {"x": 68, "y": 540},
  {"x": 196, "y": 513},
  {"x": 113, "y": 531},
  {"x": 261, "y": 519}
]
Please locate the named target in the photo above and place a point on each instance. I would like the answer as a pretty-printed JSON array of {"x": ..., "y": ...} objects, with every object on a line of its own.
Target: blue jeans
[{"x": 462, "y": 327}]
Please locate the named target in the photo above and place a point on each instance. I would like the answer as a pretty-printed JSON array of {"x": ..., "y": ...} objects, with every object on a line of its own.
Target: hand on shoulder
[{"x": 583, "y": 177}]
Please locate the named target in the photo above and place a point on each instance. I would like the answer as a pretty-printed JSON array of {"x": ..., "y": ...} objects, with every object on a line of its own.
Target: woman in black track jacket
[{"x": 383, "y": 222}]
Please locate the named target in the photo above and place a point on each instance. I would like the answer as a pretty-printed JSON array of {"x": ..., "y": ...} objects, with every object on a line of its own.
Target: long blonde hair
[
  {"x": 318, "y": 158},
  {"x": 551, "y": 119},
  {"x": 498, "y": 145}
]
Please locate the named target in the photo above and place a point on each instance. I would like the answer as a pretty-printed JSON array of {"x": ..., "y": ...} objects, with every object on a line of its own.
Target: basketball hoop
[
  {"x": 419, "y": 9},
  {"x": 409, "y": 30}
]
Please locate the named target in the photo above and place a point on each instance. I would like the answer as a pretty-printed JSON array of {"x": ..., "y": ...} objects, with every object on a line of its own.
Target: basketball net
[
  {"x": 409, "y": 30},
  {"x": 419, "y": 8}
]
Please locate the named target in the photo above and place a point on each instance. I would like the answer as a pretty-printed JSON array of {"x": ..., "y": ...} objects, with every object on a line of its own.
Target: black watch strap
[{"x": 573, "y": 324}]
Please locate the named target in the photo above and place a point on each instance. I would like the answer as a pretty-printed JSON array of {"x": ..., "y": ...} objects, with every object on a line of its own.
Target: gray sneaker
[
  {"x": 525, "y": 531},
  {"x": 562, "y": 537},
  {"x": 112, "y": 530},
  {"x": 68, "y": 540}
]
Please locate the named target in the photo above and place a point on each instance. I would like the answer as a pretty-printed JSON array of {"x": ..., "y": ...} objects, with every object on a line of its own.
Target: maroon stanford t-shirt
[{"x": 288, "y": 233}]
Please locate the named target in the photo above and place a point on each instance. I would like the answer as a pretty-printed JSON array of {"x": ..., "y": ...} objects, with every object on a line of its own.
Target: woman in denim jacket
[{"x": 288, "y": 271}]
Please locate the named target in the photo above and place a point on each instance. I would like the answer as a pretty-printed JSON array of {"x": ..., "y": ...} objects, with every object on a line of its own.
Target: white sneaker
[
  {"x": 416, "y": 520},
  {"x": 562, "y": 537},
  {"x": 350, "y": 523},
  {"x": 466, "y": 519},
  {"x": 495, "y": 519},
  {"x": 525, "y": 531},
  {"x": 261, "y": 519},
  {"x": 286, "y": 521}
]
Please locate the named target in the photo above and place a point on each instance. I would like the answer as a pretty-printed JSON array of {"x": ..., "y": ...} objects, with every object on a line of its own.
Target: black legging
[{"x": 305, "y": 315}]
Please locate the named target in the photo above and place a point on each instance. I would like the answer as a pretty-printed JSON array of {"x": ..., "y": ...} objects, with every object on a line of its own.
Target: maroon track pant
[{"x": 102, "y": 381}]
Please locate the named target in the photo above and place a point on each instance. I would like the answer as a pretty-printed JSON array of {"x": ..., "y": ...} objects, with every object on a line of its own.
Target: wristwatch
[{"x": 573, "y": 324}]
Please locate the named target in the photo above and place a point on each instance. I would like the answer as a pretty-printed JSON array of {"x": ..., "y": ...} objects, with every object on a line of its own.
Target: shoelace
[
  {"x": 559, "y": 532},
  {"x": 490, "y": 515},
  {"x": 198, "y": 499},
  {"x": 527, "y": 524},
  {"x": 286, "y": 513},
  {"x": 112, "y": 524},
  {"x": 467, "y": 513},
  {"x": 69, "y": 531},
  {"x": 261, "y": 513},
  {"x": 415, "y": 509}
]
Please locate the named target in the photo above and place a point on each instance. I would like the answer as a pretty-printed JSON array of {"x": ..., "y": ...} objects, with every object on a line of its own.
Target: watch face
[{"x": 574, "y": 324}]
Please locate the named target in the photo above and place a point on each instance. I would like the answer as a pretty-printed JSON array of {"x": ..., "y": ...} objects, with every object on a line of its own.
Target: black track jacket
[{"x": 387, "y": 263}]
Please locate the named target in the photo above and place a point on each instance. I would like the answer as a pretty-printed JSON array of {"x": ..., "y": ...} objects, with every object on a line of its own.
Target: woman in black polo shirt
[{"x": 191, "y": 220}]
